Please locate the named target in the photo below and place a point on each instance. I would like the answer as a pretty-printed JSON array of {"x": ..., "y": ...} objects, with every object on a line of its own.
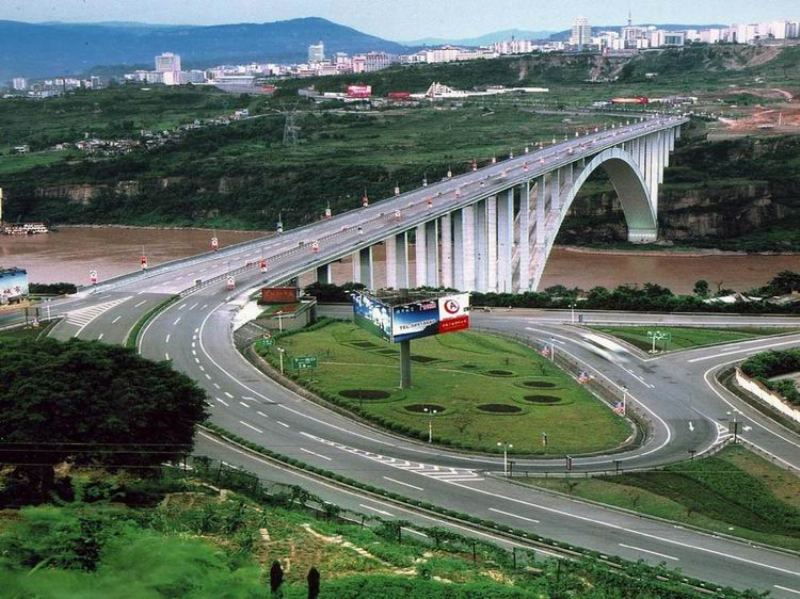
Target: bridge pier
[
  {"x": 481, "y": 248},
  {"x": 363, "y": 268},
  {"x": 324, "y": 274},
  {"x": 523, "y": 243},
  {"x": 541, "y": 239},
  {"x": 491, "y": 243},
  {"x": 505, "y": 241},
  {"x": 446, "y": 233},
  {"x": 397, "y": 261},
  {"x": 432, "y": 253},
  {"x": 420, "y": 255}
]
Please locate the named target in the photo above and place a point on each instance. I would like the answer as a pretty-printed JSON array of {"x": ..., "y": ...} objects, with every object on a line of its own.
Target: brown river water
[{"x": 70, "y": 253}]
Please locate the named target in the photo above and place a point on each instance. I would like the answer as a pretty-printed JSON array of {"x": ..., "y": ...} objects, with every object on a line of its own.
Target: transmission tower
[{"x": 290, "y": 129}]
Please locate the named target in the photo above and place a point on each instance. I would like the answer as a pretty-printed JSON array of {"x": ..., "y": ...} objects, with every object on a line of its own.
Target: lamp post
[
  {"x": 281, "y": 351},
  {"x": 506, "y": 447},
  {"x": 624, "y": 400},
  {"x": 734, "y": 423},
  {"x": 572, "y": 312},
  {"x": 431, "y": 413}
]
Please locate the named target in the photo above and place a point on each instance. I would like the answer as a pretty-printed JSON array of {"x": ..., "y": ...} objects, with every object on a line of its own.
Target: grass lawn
[
  {"x": 735, "y": 492},
  {"x": 485, "y": 389},
  {"x": 686, "y": 337}
]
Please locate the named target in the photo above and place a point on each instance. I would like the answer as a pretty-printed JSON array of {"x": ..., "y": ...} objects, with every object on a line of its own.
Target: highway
[{"x": 677, "y": 391}]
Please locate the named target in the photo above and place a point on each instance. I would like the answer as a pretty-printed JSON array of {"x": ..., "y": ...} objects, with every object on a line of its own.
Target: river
[{"x": 70, "y": 253}]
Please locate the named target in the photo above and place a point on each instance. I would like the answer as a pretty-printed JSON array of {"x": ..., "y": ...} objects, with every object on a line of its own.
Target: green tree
[
  {"x": 701, "y": 288},
  {"x": 89, "y": 403}
]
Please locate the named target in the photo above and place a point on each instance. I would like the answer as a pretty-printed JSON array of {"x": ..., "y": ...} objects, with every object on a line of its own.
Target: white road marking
[
  {"x": 248, "y": 398},
  {"x": 691, "y": 426},
  {"x": 216, "y": 385},
  {"x": 177, "y": 320},
  {"x": 100, "y": 336},
  {"x": 262, "y": 414},
  {"x": 208, "y": 376},
  {"x": 193, "y": 306},
  {"x": 741, "y": 351},
  {"x": 166, "y": 356},
  {"x": 181, "y": 307},
  {"x": 167, "y": 340},
  {"x": 228, "y": 395},
  {"x": 319, "y": 455},
  {"x": 116, "y": 320},
  {"x": 82, "y": 317},
  {"x": 243, "y": 404},
  {"x": 222, "y": 401},
  {"x": 777, "y": 586},
  {"x": 141, "y": 303},
  {"x": 415, "y": 532},
  {"x": 509, "y": 514},
  {"x": 282, "y": 424},
  {"x": 664, "y": 555},
  {"x": 376, "y": 510},
  {"x": 250, "y": 426},
  {"x": 202, "y": 369},
  {"x": 400, "y": 482}
]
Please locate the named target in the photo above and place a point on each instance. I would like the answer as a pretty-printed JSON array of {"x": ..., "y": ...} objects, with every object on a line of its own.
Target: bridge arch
[{"x": 628, "y": 181}]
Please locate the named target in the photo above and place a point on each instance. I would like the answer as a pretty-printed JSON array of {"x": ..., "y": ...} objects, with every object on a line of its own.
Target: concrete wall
[{"x": 775, "y": 401}]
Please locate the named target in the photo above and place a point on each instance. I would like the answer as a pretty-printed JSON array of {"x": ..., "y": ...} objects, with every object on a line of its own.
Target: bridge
[{"x": 491, "y": 229}]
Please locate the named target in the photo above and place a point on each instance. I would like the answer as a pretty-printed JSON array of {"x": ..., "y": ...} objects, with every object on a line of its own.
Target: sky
[{"x": 405, "y": 20}]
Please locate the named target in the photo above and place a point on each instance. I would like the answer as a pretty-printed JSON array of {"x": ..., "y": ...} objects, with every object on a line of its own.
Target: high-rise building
[
  {"x": 316, "y": 52},
  {"x": 168, "y": 62},
  {"x": 581, "y": 32},
  {"x": 19, "y": 83}
]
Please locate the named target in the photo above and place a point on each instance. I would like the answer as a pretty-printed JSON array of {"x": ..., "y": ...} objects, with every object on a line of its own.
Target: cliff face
[{"x": 703, "y": 214}]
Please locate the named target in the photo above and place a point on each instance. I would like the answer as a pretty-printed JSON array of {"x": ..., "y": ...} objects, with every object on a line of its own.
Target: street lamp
[
  {"x": 281, "y": 351},
  {"x": 506, "y": 447},
  {"x": 431, "y": 413},
  {"x": 735, "y": 423},
  {"x": 572, "y": 309}
]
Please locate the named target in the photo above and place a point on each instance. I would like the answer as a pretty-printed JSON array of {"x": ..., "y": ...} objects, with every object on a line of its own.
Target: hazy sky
[{"x": 405, "y": 19}]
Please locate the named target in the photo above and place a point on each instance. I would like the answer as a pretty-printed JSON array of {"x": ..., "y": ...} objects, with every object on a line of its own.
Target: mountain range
[{"x": 52, "y": 49}]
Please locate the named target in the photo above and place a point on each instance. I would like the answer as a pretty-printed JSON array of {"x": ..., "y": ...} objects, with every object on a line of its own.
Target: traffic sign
[
  {"x": 304, "y": 362},
  {"x": 267, "y": 342}
]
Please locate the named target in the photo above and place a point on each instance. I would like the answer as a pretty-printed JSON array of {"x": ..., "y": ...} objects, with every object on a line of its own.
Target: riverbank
[{"x": 687, "y": 251}]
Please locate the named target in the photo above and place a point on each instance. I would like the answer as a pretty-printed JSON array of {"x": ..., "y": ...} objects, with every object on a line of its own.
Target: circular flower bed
[
  {"x": 539, "y": 384},
  {"x": 499, "y": 408},
  {"x": 543, "y": 399},
  {"x": 499, "y": 373}
]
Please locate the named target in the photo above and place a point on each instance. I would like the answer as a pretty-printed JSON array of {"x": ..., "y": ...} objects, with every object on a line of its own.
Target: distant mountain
[
  {"x": 563, "y": 36},
  {"x": 483, "y": 40},
  {"x": 46, "y": 50}
]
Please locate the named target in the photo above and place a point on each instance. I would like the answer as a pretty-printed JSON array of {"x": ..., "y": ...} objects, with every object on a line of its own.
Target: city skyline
[{"x": 405, "y": 21}]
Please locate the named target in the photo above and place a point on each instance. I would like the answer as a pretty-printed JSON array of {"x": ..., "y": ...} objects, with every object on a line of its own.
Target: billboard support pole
[{"x": 405, "y": 364}]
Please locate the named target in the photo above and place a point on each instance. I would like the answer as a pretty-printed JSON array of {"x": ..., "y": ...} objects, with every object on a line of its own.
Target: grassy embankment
[
  {"x": 522, "y": 394},
  {"x": 734, "y": 492},
  {"x": 151, "y": 538},
  {"x": 686, "y": 337}
]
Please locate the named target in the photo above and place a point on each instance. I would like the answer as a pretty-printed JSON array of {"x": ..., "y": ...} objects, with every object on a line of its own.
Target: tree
[
  {"x": 313, "y": 583},
  {"x": 89, "y": 403},
  {"x": 784, "y": 282},
  {"x": 701, "y": 288}
]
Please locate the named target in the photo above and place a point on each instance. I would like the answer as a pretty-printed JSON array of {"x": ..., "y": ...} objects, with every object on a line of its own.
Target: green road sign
[
  {"x": 268, "y": 342},
  {"x": 303, "y": 362},
  {"x": 660, "y": 335}
]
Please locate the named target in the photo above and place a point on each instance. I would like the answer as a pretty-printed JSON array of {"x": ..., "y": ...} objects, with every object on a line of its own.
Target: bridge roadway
[{"x": 195, "y": 334}]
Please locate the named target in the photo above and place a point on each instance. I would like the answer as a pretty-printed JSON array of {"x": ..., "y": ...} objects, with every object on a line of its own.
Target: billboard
[
  {"x": 359, "y": 91},
  {"x": 415, "y": 320},
  {"x": 373, "y": 315},
  {"x": 412, "y": 320}
]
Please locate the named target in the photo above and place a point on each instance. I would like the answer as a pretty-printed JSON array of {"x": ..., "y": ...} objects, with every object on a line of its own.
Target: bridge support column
[
  {"x": 662, "y": 155},
  {"x": 652, "y": 170},
  {"x": 505, "y": 241},
  {"x": 324, "y": 274},
  {"x": 464, "y": 248},
  {"x": 420, "y": 256},
  {"x": 555, "y": 190},
  {"x": 541, "y": 196},
  {"x": 491, "y": 243},
  {"x": 432, "y": 253},
  {"x": 397, "y": 261},
  {"x": 445, "y": 228},
  {"x": 481, "y": 247},
  {"x": 524, "y": 241},
  {"x": 362, "y": 267}
]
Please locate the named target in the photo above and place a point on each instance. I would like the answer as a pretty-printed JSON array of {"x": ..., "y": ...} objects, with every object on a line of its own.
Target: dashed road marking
[{"x": 319, "y": 455}]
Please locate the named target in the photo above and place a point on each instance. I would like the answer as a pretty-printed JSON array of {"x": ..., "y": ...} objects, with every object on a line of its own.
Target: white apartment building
[{"x": 581, "y": 32}]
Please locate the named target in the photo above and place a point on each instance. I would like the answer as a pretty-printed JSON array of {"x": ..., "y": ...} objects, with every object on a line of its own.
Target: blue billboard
[
  {"x": 372, "y": 315},
  {"x": 13, "y": 284},
  {"x": 415, "y": 320}
]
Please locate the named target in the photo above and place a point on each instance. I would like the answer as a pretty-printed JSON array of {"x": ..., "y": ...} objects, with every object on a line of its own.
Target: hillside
[{"x": 52, "y": 49}]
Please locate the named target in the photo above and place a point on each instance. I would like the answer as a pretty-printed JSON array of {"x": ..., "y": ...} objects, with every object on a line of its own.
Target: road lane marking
[
  {"x": 664, "y": 555},
  {"x": 691, "y": 427},
  {"x": 202, "y": 369},
  {"x": 141, "y": 303},
  {"x": 262, "y": 414},
  {"x": 116, "y": 320},
  {"x": 400, "y": 482},
  {"x": 167, "y": 340},
  {"x": 282, "y": 424},
  {"x": 100, "y": 336},
  {"x": 741, "y": 351},
  {"x": 177, "y": 320},
  {"x": 777, "y": 586},
  {"x": 208, "y": 376},
  {"x": 216, "y": 386},
  {"x": 166, "y": 356},
  {"x": 319, "y": 455},
  {"x": 243, "y": 404},
  {"x": 228, "y": 395},
  {"x": 509, "y": 514},
  {"x": 181, "y": 307},
  {"x": 222, "y": 401},
  {"x": 376, "y": 510},
  {"x": 250, "y": 426},
  {"x": 415, "y": 532},
  {"x": 248, "y": 398},
  {"x": 193, "y": 306}
]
